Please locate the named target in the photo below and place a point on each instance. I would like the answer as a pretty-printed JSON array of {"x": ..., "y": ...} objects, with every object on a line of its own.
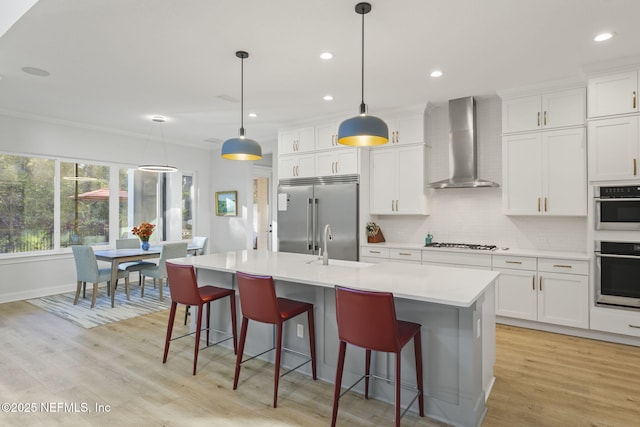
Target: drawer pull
[
  {"x": 540, "y": 283},
  {"x": 513, "y": 262},
  {"x": 562, "y": 266},
  {"x": 404, "y": 253},
  {"x": 533, "y": 283},
  {"x": 634, "y": 326},
  {"x": 374, "y": 252}
]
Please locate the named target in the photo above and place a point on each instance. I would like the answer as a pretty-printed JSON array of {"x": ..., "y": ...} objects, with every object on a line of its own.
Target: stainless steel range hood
[{"x": 463, "y": 164}]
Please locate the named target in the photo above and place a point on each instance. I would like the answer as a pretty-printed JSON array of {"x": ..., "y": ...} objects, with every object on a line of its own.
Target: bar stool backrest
[
  {"x": 183, "y": 284},
  {"x": 367, "y": 319},
  {"x": 258, "y": 298}
]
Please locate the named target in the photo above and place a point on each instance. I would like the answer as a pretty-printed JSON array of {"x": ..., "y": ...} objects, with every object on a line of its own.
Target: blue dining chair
[
  {"x": 87, "y": 270},
  {"x": 133, "y": 265},
  {"x": 159, "y": 271}
]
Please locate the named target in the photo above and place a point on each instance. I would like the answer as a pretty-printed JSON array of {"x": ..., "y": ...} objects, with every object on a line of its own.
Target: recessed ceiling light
[
  {"x": 436, "y": 73},
  {"x": 253, "y": 115},
  {"x": 159, "y": 119},
  {"x": 603, "y": 37},
  {"x": 326, "y": 55},
  {"x": 328, "y": 98},
  {"x": 36, "y": 71}
]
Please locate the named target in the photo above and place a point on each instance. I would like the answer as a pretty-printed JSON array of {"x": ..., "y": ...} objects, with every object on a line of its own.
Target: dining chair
[
  {"x": 87, "y": 270},
  {"x": 132, "y": 265},
  {"x": 201, "y": 242},
  {"x": 159, "y": 271}
]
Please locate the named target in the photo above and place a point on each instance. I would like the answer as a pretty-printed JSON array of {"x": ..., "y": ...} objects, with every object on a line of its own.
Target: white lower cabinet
[
  {"x": 456, "y": 259},
  {"x": 625, "y": 322},
  {"x": 376, "y": 255},
  {"x": 546, "y": 290}
]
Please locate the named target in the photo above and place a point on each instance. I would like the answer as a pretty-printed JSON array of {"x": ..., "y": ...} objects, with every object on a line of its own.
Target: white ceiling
[{"x": 114, "y": 63}]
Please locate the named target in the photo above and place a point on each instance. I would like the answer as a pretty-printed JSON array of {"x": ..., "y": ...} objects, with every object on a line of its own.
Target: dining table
[{"x": 119, "y": 256}]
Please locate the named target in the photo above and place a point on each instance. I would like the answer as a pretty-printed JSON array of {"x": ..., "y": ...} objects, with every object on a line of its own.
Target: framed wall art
[{"x": 226, "y": 203}]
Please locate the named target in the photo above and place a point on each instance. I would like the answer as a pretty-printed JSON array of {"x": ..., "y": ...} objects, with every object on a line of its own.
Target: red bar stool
[
  {"x": 258, "y": 302},
  {"x": 368, "y": 320},
  {"x": 184, "y": 290}
]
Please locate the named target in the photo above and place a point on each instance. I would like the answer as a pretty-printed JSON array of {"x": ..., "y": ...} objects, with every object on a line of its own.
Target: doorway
[{"x": 261, "y": 209}]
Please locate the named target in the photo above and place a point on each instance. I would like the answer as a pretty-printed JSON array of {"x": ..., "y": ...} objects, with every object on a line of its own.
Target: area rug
[{"x": 83, "y": 315}]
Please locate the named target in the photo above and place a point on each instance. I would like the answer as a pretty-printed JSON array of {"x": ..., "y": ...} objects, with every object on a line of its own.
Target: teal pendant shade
[
  {"x": 363, "y": 131},
  {"x": 241, "y": 148}
]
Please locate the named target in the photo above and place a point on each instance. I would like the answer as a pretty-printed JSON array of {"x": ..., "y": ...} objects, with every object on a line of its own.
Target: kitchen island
[{"x": 454, "y": 306}]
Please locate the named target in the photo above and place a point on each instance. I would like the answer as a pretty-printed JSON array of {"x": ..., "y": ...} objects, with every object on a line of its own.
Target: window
[
  {"x": 30, "y": 201},
  {"x": 26, "y": 204},
  {"x": 84, "y": 204}
]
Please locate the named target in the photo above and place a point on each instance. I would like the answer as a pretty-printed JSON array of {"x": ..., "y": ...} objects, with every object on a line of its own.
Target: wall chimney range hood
[{"x": 463, "y": 163}]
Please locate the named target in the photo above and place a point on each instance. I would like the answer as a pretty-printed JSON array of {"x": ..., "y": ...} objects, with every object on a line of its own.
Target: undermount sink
[{"x": 341, "y": 263}]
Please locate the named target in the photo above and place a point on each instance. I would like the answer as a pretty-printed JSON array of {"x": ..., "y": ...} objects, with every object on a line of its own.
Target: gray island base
[{"x": 454, "y": 306}]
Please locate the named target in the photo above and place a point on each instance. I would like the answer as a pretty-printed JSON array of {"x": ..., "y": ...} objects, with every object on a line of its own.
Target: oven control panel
[{"x": 619, "y": 192}]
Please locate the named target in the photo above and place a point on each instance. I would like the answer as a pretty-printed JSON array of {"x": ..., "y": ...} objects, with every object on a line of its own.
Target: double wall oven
[{"x": 617, "y": 266}]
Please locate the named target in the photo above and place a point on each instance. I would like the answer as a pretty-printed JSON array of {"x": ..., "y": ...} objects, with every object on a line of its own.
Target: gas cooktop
[{"x": 462, "y": 246}]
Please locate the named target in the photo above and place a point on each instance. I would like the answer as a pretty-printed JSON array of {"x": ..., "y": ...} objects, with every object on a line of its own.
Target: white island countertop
[{"x": 441, "y": 285}]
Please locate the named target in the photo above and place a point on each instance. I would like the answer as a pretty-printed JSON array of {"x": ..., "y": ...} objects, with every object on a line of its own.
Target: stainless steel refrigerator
[{"x": 306, "y": 205}]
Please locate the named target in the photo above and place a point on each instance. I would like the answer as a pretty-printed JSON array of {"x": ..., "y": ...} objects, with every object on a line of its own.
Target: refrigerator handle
[
  {"x": 316, "y": 237},
  {"x": 309, "y": 228}
]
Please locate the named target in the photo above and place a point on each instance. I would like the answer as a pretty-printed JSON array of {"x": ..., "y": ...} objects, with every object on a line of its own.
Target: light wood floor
[{"x": 542, "y": 380}]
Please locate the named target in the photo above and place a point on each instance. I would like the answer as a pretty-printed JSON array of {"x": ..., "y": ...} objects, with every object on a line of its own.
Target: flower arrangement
[{"x": 143, "y": 231}]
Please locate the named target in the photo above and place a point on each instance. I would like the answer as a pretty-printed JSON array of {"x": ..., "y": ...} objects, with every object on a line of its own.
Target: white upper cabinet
[
  {"x": 614, "y": 149},
  {"x": 563, "y": 108},
  {"x": 613, "y": 94},
  {"x": 337, "y": 162},
  {"x": 327, "y": 137},
  {"x": 405, "y": 130},
  {"x": 398, "y": 181},
  {"x": 296, "y": 141},
  {"x": 545, "y": 173},
  {"x": 301, "y": 166}
]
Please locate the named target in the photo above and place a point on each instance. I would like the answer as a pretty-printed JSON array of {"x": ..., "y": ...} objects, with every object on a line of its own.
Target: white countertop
[
  {"x": 459, "y": 287},
  {"x": 582, "y": 256}
]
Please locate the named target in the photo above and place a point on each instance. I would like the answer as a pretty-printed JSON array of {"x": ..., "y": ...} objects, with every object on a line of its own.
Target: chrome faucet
[{"x": 325, "y": 252}]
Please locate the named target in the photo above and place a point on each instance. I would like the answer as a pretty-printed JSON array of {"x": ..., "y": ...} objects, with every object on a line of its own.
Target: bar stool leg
[
  {"x": 278, "y": 344},
  {"x": 234, "y": 333},
  {"x": 208, "y": 320},
  {"x": 397, "y": 409},
  {"x": 243, "y": 336},
  {"x": 312, "y": 341},
  {"x": 367, "y": 372},
  {"x": 197, "y": 346},
  {"x": 417, "y": 344},
  {"x": 167, "y": 341},
  {"x": 336, "y": 393}
]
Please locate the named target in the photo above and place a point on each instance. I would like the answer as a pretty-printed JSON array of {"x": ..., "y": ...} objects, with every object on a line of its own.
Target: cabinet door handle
[
  {"x": 634, "y": 99},
  {"x": 538, "y": 118},
  {"x": 393, "y": 206},
  {"x": 635, "y": 167},
  {"x": 533, "y": 283},
  {"x": 397, "y": 136},
  {"x": 538, "y": 204},
  {"x": 337, "y": 166},
  {"x": 396, "y": 205},
  {"x": 545, "y": 204},
  {"x": 545, "y": 118},
  {"x": 562, "y": 266},
  {"x": 540, "y": 283},
  {"x": 513, "y": 262}
]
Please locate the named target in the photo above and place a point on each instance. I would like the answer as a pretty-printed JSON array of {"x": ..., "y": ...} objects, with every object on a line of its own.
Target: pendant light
[
  {"x": 158, "y": 167},
  {"x": 241, "y": 148},
  {"x": 363, "y": 130}
]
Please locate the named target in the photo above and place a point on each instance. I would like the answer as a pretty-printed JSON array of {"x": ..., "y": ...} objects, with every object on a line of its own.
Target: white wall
[
  {"x": 29, "y": 276},
  {"x": 474, "y": 215}
]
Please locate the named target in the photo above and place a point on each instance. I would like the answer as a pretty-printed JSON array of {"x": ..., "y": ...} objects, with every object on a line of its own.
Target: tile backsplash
[{"x": 475, "y": 215}]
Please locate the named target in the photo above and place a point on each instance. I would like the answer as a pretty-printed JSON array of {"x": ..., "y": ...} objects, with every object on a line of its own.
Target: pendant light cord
[
  {"x": 362, "y": 64},
  {"x": 241, "y": 96}
]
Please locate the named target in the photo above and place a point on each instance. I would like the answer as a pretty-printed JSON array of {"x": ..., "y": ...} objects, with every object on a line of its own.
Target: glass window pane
[
  {"x": 187, "y": 207},
  {"x": 142, "y": 202},
  {"x": 26, "y": 204},
  {"x": 84, "y": 204}
]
